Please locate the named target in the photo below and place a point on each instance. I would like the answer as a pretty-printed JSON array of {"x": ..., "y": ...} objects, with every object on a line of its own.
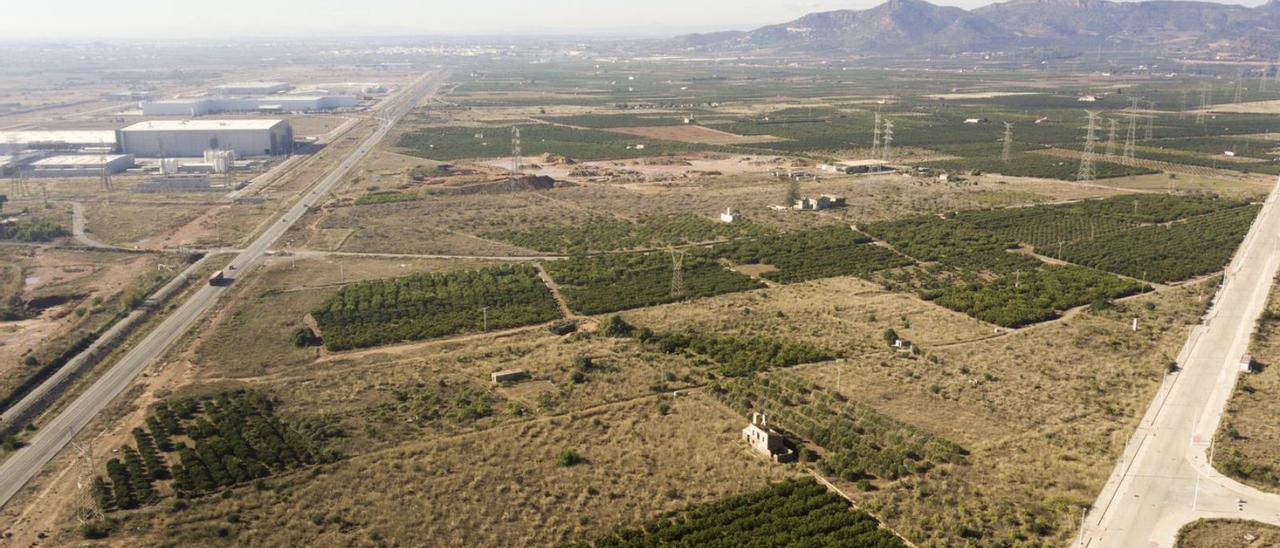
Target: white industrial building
[
  {"x": 191, "y": 138},
  {"x": 251, "y": 88},
  {"x": 79, "y": 165},
  {"x": 57, "y": 141},
  {"x": 204, "y": 106},
  {"x": 346, "y": 88}
]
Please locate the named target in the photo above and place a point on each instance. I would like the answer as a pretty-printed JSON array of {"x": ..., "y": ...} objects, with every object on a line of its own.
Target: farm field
[{"x": 459, "y": 347}]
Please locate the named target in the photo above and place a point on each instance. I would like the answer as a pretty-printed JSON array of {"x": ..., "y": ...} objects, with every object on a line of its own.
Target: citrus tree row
[
  {"x": 796, "y": 512},
  {"x": 234, "y": 437},
  {"x": 813, "y": 254},
  {"x": 1170, "y": 252},
  {"x": 431, "y": 305},
  {"x": 607, "y": 283}
]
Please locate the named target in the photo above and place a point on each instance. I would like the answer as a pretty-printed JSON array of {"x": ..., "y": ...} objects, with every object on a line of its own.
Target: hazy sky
[{"x": 60, "y": 19}]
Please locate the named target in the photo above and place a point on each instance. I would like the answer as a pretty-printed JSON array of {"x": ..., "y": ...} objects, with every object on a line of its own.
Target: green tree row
[
  {"x": 608, "y": 283},
  {"x": 813, "y": 254},
  {"x": 424, "y": 306},
  {"x": 791, "y": 513}
]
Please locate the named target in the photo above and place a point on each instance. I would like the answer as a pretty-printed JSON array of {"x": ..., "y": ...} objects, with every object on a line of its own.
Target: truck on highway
[{"x": 218, "y": 278}]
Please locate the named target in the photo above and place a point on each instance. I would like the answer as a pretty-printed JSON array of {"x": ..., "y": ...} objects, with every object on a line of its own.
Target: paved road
[
  {"x": 56, "y": 433},
  {"x": 1164, "y": 480}
]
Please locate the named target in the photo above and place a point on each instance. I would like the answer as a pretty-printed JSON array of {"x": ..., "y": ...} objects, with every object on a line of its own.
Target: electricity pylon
[
  {"x": 677, "y": 272},
  {"x": 1007, "y": 151},
  {"x": 515, "y": 148},
  {"x": 1151, "y": 120},
  {"x": 875, "y": 137},
  {"x": 88, "y": 508},
  {"x": 1087, "y": 172},
  {"x": 887, "y": 149},
  {"x": 1205, "y": 90},
  {"x": 1112, "y": 129},
  {"x": 1133, "y": 133}
]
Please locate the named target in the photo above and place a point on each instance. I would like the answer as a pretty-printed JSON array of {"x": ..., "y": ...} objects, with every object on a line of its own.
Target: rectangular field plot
[
  {"x": 813, "y": 254},
  {"x": 1168, "y": 252},
  {"x": 793, "y": 513},
  {"x": 1046, "y": 226},
  {"x": 1035, "y": 165},
  {"x": 456, "y": 143},
  {"x": 603, "y": 234},
  {"x": 426, "y": 306},
  {"x": 1034, "y": 296},
  {"x": 608, "y": 283}
]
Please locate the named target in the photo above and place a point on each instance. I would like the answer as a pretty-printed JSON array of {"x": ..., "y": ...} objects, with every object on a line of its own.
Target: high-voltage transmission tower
[
  {"x": 886, "y": 150},
  {"x": 515, "y": 148},
  {"x": 875, "y": 137},
  {"x": 677, "y": 272},
  {"x": 1113, "y": 126},
  {"x": 1007, "y": 151},
  {"x": 1205, "y": 91},
  {"x": 18, "y": 184},
  {"x": 1151, "y": 120},
  {"x": 87, "y": 509},
  {"x": 1239, "y": 89},
  {"x": 1133, "y": 133},
  {"x": 1087, "y": 171}
]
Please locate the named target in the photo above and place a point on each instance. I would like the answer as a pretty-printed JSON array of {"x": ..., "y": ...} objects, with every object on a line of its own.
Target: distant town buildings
[{"x": 825, "y": 201}]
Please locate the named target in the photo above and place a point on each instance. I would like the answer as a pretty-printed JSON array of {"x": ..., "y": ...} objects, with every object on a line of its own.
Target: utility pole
[
  {"x": 1087, "y": 171},
  {"x": 1007, "y": 151},
  {"x": 887, "y": 149}
]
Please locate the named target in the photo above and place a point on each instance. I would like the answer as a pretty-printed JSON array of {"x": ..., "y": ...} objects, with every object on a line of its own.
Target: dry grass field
[
  {"x": 497, "y": 486},
  {"x": 1250, "y": 429},
  {"x": 694, "y": 134},
  {"x": 1228, "y": 533}
]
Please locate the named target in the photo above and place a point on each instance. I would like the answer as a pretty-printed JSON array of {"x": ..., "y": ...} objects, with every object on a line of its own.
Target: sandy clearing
[
  {"x": 694, "y": 134},
  {"x": 978, "y": 95}
]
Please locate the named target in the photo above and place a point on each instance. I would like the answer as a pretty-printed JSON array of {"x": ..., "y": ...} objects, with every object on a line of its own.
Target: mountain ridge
[{"x": 918, "y": 26}]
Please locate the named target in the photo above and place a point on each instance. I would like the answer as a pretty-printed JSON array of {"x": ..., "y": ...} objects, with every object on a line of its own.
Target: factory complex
[{"x": 191, "y": 138}]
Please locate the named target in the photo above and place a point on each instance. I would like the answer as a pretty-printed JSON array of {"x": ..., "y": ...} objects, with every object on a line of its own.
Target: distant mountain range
[{"x": 917, "y": 26}]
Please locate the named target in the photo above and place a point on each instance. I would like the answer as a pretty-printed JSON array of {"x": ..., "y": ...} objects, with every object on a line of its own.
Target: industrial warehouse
[
  {"x": 204, "y": 106},
  {"x": 191, "y": 138}
]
